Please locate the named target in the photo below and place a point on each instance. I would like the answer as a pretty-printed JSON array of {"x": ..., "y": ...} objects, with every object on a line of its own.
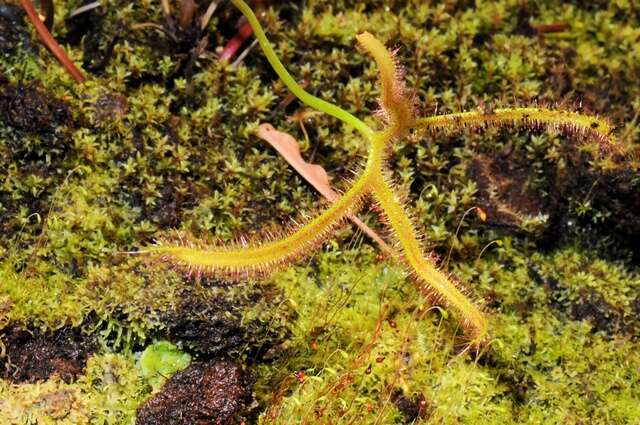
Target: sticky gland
[{"x": 397, "y": 112}]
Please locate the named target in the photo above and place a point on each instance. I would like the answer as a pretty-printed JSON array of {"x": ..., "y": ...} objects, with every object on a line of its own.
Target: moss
[
  {"x": 108, "y": 393},
  {"x": 146, "y": 147},
  {"x": 541, "y": 364},
  {"x": 161, "y": 360}
]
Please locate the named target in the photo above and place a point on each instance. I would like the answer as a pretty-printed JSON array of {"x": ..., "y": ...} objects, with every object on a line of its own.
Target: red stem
[
  {"x": 555, "y": 27},
  {"x": 50, "y": 42},
  {"x": 231, "y": 48}
]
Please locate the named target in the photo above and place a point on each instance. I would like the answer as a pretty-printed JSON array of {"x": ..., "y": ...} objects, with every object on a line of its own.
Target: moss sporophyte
[{"x": 397, "y": 116}]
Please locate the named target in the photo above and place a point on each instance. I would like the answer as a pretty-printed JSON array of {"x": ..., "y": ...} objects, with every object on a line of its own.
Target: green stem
[{"x": 291, "y": 84}]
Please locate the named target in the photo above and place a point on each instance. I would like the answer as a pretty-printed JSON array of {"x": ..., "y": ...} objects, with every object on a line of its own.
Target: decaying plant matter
[{"x": 398, "y": 118}]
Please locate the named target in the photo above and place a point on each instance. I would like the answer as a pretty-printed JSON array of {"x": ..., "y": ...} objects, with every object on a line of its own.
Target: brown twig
[
  {"x": 188, "y": 9},
  {"x": 234, "y": 44},
  {"x": 208, "y": 14},
  {"x": 550, "y": 28},
  {"x": 50, "y": 42}
]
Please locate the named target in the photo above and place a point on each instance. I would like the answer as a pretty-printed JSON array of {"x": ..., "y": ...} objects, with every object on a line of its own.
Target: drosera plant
[{"x": 397, "y": 115}]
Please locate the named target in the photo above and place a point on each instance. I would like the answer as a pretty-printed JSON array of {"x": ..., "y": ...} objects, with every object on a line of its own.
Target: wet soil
[
  {"x": 213, "y": 327},
  {"x": 35, "y": 356},
  {"x": 204, "y": 393}
]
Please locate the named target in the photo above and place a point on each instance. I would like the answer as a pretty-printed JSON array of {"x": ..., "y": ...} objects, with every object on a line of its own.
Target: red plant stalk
[
  {"x": 231, "y": 48},
  {"x": 50, "y": 42}
]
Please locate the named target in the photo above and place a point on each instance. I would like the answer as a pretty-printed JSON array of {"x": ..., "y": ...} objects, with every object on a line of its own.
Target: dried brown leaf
[{"x": 288, "y": 147}]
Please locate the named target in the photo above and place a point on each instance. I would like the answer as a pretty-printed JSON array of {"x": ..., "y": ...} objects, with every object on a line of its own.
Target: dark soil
[
  {"x": 212, "y": 328},
  {"x": 28, "y": 109},
  {"x": 204, "y": 393},
  {"x": 208, "y": 328},
  {"x": 614, "y": 199},
  {"x": 609, "y": 225},
  {"x": 35, "y": 137},
  {"x": 590, "y": 306},
  {"x": 412, "y": 408},
  {"x": 35, "y": 356},
  {"x": 13, "y": 31},
  {"x": 503, "y": 192}
]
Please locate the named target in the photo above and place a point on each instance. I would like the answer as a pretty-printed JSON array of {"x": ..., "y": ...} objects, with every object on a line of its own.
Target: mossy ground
[{"x": 150, "y": 143}]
